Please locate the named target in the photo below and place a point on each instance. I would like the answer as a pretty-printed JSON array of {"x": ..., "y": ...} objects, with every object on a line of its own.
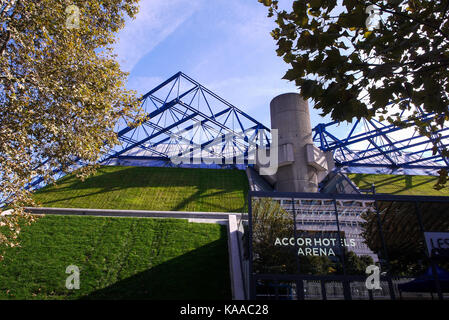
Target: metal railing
[{"x": 338, "y": 286}]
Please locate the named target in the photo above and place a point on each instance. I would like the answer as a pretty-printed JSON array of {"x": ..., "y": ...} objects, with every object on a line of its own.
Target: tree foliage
[
  {"x": 352, "y": 67},
  {"x": 271, "y": 221},
  {"x": 61, "y": 91}
]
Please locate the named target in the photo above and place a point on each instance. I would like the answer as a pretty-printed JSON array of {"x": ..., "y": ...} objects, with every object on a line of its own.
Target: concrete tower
[{"x": 298, "y": 170}]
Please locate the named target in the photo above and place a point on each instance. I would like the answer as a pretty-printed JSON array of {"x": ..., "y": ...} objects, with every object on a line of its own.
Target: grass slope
[
  {"x": 119, "y": 258},
  {"x": 399, "y": 184},
  {"x": 143, "y": 188}
]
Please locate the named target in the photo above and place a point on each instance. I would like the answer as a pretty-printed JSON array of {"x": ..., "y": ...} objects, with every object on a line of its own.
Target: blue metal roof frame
[
  {"x": 387, "y": 146},
  {"x": 181, "y": 114}
]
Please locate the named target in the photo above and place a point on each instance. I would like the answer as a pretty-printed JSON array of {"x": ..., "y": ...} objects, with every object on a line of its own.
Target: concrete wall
[
  {"x": 337, "y": 182},
  {"x": 235, "y": 266},
  {"x": 290, "y": 115},
  {"x": 330, "y": 164}
]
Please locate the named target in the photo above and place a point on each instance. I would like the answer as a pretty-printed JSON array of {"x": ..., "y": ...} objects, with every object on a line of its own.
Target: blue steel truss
[
  {"x": 371, "y": 143},
  {"x": 184, "y": 117}
]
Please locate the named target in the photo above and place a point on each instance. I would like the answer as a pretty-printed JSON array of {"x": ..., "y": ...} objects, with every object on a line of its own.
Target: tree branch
[
  {"x": 406, "y": 16},
  {"x": 5, "y": 41}
]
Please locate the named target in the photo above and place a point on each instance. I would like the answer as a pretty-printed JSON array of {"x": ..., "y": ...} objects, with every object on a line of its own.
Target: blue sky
[{"x": 223, "y": 44}]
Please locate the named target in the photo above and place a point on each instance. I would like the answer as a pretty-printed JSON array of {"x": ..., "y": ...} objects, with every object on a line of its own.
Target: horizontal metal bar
[
  {"x": 354, "y": 164},
  {"x": 361, "y": 197},
  {"x": 294, "y": 277},
  {"x": 364, "y": 136},
  {"x": 131, "y": 213},
  {"x": 142, "y": 158}
]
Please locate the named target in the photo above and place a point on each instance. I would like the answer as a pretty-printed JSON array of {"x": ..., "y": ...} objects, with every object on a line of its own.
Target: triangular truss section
[
  {"x": 187, "y": 122},
  {"x": 184, "y": 120},
  {"x": 373, "y": 144}
]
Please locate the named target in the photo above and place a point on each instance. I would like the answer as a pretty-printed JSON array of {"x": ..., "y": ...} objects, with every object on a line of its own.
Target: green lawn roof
[
  {"x": 399, "y": 184},
  {"x": 118, "y": 258},
  {"x": 144, "y": 188}
]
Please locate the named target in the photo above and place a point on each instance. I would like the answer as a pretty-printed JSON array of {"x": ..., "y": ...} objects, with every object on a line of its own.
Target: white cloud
[
  {"x": 251, "y": 89},
  {"x": 247, "y": 36},
  {"x": 238, "y": 61},
  {"x": 143, "y": 84},
  {"x": 243, "y": 67},
  {"x": 156, "y": 20}
]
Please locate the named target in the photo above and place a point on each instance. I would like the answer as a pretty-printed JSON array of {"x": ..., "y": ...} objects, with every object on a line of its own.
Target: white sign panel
[{"x": 436, "y": 240}]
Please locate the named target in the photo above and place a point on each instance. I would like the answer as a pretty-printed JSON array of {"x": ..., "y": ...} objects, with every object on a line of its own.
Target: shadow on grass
[
  {"x": 364, "y": 181},
  {"x": 200, "y": 274},
  {"x": 120, "y": 178},
  {"x": 133, "y": 177}
]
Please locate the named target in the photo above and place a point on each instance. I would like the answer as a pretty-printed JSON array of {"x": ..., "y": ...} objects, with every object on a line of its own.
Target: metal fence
[{"x": 388, "y": 226}]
